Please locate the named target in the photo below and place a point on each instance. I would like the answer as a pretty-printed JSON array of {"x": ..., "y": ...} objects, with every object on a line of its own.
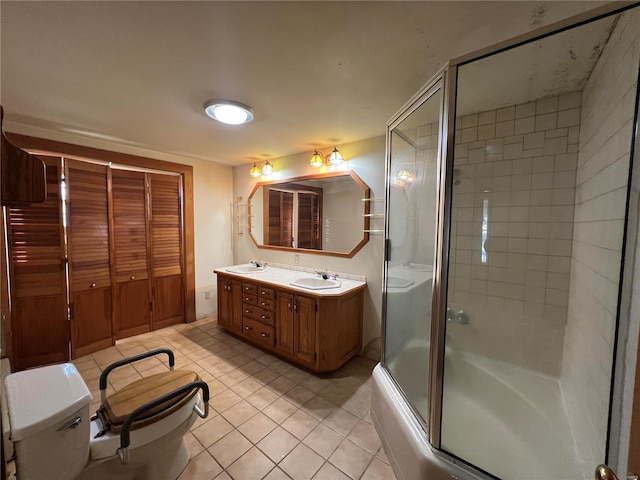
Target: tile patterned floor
[{"x": 268, "y": 419}]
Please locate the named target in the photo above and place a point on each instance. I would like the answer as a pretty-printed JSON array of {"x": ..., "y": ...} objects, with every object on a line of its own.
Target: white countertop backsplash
[{"x": 282, "y": 275}]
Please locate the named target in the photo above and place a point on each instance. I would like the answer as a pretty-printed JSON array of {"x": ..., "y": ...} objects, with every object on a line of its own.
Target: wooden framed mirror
[{"x": 324, "y": 214}]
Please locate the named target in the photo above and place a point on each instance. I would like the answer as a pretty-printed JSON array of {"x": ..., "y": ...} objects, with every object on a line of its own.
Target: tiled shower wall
[
  {"x": 512, "y": 224},
  {"x": 603, "y": 164}
]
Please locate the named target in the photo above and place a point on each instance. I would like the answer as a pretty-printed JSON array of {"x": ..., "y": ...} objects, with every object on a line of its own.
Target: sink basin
[
  {"x": 397, "y": 282},
  {"x": 315, "y": 283},
  {"x": 247, "y": 269}
]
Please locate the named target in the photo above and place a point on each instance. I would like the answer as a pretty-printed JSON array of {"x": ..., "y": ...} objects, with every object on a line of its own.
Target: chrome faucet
[
  {"x": 257, "y": 263},
  {"x": 324, "y": 274}
]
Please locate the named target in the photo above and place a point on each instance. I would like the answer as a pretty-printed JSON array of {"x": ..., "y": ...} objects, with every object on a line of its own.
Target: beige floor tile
[
  {"x": 223, "y": 476},
  {"x": 262, "y": 397},
  {"x": 319, "y": 407},
  {"x": 239, "y": 413},
  {"x": 329, "y": 472},
  {"x": 277, "y": 474},
  {"x": 281, "y": 385},
  {"x": 351, "y": 459},
  {"x": 364, "y": 435},
  {"x": 357, "y": 404},
  {"x": 201, "y": 467},
  {"x": 266, "y": 376},
  {"x": 279, "y": 410},
  {"x": 378, "y": 470},
  {"x": 323, "y": 440},
  {"x": 341, "y": 421},
  {"x": 194, "y": 446},
  {"x": 302, "y": 463},
  {"x": 212, "y": 431},
  {"x": 277, "y": 444},
  {"x": 253, "y": 465},
  {"x": 315, "y": 384},
  {"x": 233, "y": 377},
  {"x": 252, "y": 367},
  {"x": 296, "y": 375},
  {"x": 246, "y": 387},
  {"x": 299, "y": 395},
  {"x": 224, "y": 400},
  {"x": 229, "y": 448},
  {"x": 300, "y": 424},
  {"x": 257, "y": 427}
]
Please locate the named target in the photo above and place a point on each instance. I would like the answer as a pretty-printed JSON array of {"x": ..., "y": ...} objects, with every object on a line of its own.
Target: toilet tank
[{"x": 49, "y": 416}]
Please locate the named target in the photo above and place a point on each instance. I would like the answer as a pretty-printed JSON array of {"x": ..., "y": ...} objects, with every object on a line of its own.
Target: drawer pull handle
[
  {"x": 92, "y": 285},
  {"x": 263, "y": 303},
  {"x": 264, "y": 334},
  {"x": 132, "y": 277},
  {"x": 247, "y": 311},
  {"x": 246, "y": 299},
  {"x": 263, "y": 316},
  {"x": 248, "y": 328},
  {"x": 263, "y": 293}
]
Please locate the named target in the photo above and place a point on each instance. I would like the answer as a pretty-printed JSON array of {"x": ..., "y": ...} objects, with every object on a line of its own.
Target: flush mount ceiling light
[{"x": 228, "y": 111}]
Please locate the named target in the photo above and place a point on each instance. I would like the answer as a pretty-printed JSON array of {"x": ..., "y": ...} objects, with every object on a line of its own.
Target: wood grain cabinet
[{"x": 319, "y": 332}]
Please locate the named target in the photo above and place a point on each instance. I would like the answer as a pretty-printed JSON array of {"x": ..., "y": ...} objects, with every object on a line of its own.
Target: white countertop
[{"x": 283, "y": 277}]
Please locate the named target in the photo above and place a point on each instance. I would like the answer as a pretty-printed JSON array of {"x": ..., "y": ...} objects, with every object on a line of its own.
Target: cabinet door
[
  {"x": 88, "y": 252},
  {"x": 235, "y": 315},
  {"x": 305, "y": 329},
  {"x": 39, "y": 326},
  {"x": 224, "y": 303},
  {"x": 166, "y": 249},
  {"x": 133, "y": 292},
  {"x": 284, "y": 323}
]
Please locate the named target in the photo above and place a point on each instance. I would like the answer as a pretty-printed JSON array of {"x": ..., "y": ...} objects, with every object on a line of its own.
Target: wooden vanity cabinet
[{"x": 319, "y": 332}]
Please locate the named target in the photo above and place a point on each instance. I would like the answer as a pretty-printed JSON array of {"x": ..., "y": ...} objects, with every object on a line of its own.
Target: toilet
[{"x": 54, "y": 435}]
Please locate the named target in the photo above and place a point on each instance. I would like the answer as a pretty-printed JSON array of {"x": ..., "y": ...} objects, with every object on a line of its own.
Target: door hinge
[{"x": 70, "y": 311}]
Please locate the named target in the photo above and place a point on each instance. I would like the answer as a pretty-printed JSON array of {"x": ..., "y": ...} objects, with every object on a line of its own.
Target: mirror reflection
[{"x": 322, "y": 213}]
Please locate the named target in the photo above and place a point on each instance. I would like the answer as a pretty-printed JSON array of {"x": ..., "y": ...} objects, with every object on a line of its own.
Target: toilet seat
[{"x": 118, "y": 406}]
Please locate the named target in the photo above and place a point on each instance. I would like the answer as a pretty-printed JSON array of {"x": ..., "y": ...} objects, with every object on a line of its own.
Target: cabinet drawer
[
  {"x": 258, "y": 331},
  {"x": 249, "y": 299},
  {"x": 266, "y": 293},
  {"x": 259, "y": 314},
  {"x": 250, "y": 288},
  {"x": 266, "y": 303}
]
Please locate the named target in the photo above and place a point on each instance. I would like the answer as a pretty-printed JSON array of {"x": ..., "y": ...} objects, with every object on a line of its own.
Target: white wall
[
  {"x": 601, "y": 184},
  {"x": 366, "y": 158}
]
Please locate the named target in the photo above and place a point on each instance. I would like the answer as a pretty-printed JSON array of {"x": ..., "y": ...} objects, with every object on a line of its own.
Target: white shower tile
[
  {"x": 507, "y": 113},
  {"x": 546, "y": 105},
  {"x": 547, "y": 121}
]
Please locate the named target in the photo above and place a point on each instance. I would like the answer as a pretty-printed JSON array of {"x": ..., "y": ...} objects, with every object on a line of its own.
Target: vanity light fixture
[
  {"x": 267, "y": 169},
  {"x": 336, "y": 157},
  {"x": 404, "y": 175},
  {"x": 255, "y": 171},
  {"x": 318, "y": 159},
  {"x": 228, "y": 111}
]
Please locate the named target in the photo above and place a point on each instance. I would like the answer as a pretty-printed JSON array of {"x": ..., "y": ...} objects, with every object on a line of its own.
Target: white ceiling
[{"x": 316, "y": 73}]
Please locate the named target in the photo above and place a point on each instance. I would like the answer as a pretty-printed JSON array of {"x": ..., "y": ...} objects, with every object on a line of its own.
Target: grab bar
[
  {"x": 126, "y": 361},
  {"x": 125, "y": 440}
]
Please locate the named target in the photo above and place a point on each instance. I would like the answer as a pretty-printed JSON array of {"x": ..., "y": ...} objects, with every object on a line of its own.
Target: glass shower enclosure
[{"x": 508, "y": 181}]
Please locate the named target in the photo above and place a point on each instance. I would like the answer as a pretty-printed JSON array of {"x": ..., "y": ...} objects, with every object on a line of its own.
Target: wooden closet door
[
  {"x": 88, "y": 253},
  {"x": 132, "y": 302},
  {"x": 166, "y": 249},
  {"x": 39, "y": 325}
]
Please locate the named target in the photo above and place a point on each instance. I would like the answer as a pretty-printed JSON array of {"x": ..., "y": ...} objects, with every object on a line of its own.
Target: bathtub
[{"x": 506, "y": 420}]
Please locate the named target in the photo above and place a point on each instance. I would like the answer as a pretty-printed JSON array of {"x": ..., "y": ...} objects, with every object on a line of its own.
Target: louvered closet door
[
  {"x": 129, "y": 239},
  {"x": 166, "y": 249},
  {"x": 88, "y": 251},
  {"x": 40, "y": 330}
]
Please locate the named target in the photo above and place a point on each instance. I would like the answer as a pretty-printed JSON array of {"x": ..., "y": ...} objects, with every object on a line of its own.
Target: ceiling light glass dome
[{"x": 228, "y": 111}]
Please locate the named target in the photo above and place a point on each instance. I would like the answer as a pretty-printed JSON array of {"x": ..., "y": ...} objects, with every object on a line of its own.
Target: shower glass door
[
  {"x": 541, "y": 160},
  {"x": 412, "y": 179}
]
